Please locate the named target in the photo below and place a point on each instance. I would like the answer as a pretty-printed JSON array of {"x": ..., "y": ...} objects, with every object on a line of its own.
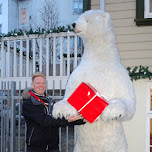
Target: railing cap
[{"x": 33, "y": 36}]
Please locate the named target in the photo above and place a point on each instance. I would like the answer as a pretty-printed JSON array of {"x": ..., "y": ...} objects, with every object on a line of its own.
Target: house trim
[
  {"x": 148, "y": 116},
  {"x": 102, "y": 4},
  {"x": 140, "y": 20}
]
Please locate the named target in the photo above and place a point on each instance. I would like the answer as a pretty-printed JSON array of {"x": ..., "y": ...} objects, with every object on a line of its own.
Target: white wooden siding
[
  {"x": 124, "y": 22},
  {"x": 134, "y": 38},
  {"x": 95, "y": 7},
  {"x": 132, "y": 30},
  {"x": 120, "y": 6},
  {"x": 95, "y": 4},
  {"x": 134, "y": 46},
  {"x": 136, "y": 54},
  {"x": 122, "y": 14},
  {"x": 118, "y": 1},
  {"x": 134, "y": 43}
]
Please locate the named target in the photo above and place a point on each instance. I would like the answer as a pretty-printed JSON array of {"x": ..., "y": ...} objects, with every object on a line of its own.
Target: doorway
[{"x": 149, "y": 119}]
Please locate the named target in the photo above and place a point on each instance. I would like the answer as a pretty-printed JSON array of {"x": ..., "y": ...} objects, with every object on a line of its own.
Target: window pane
[
  {"x": 75, "y": 4},
  {"x": 78, "y": 6},
  {"x": 80, "y": 10},
  {"x": 0, "y": 28},
  {"x": 75, "y": 10},
  {"x": 0, "y": 8},
  {"x": 75, "y": 7},
  {"x": 81, "y": 7}
]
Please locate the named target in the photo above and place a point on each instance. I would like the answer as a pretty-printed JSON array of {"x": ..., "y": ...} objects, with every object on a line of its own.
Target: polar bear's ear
[{"x": 107, "y": 18}]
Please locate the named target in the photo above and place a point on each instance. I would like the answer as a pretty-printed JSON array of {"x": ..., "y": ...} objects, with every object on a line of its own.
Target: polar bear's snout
[{"x": 73, "y": 25}]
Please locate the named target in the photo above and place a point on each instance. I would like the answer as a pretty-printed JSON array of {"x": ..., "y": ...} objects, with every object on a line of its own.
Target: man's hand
[{"x": 74, "y": 118}]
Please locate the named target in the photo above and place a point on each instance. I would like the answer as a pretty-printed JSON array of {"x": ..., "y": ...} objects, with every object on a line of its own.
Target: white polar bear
[{"x": 100, "y": 66}]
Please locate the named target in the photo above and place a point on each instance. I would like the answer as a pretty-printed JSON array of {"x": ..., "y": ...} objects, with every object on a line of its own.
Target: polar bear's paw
[
  {"x": 63, "y": 109},
  {"x": 114, "y": 111}
]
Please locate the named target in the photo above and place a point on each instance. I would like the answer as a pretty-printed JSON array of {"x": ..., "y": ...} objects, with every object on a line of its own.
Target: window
[
  {"x": 148, "y": 9},
  {"x": 0, "y": 28},
  {"x": 23, "y": 16},
  {"x": 149, "y": 119},
  {"x": 0, "y": 9},
  {"x": 143, "y": 12},
  {"x": 80, "y": 6},
  {"x": 77, "y": 6}
]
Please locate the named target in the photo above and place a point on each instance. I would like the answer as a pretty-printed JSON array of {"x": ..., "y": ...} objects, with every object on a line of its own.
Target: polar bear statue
[{"x": 100, "y": 66}]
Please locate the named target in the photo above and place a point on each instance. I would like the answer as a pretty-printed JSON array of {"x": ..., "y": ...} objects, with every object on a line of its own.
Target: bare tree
[{"x": 49, "y": 14}]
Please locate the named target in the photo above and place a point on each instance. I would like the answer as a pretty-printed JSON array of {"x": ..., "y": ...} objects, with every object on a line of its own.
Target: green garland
[
  {"x": 39, "y": 31},
  {"x": 139, "y": 73},
  {"x": 71, "y": 55}
]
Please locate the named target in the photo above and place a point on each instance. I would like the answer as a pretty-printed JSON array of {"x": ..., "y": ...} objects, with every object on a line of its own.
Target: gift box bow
[{"x": 88, "y": 102}]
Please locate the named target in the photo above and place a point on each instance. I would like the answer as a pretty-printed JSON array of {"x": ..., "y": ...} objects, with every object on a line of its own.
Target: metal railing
[{"x": 12, "y": 124}]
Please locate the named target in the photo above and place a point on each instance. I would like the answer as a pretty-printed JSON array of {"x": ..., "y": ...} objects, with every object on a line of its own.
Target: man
[{"x": 42, "y": 128}]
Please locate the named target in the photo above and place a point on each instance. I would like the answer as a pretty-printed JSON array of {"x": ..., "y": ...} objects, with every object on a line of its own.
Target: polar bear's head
[{"x": 94, "y": 24}]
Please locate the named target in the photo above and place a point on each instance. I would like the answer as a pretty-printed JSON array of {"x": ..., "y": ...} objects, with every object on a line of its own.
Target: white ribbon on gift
[
  {"x": 88, "y": 102},
  {"x": 97, "y": 94},
  {"x": 102, "y": 96}
]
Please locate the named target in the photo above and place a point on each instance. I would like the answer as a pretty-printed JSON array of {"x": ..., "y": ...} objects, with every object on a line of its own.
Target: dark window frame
[
  {"x": 86, "y": 5},
  {"x": 140, "y": 20}
]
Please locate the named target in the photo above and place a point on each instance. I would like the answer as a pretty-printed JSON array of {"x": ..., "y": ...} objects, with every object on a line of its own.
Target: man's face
[{"x": 39, "y": 85}]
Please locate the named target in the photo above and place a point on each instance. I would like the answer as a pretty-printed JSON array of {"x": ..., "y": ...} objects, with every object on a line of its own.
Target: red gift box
[{"x": 87, "y": 101}]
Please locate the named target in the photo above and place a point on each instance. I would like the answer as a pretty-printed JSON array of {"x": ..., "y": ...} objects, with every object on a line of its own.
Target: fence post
[
  {"x": 13, "y": 124},
  {"x": 2, "y": 123}
]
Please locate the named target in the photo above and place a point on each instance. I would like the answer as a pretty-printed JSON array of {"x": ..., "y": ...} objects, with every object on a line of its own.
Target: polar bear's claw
[
  {"x": 114, "y": 111},
  {"x": 63, "y": 109}
]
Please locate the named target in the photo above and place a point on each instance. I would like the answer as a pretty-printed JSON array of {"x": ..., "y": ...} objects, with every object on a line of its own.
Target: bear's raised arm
[{"x": 123, "y": 104}]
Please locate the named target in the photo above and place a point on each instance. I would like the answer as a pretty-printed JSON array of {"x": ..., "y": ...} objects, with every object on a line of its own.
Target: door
[{"x": 149, "y": 119}]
